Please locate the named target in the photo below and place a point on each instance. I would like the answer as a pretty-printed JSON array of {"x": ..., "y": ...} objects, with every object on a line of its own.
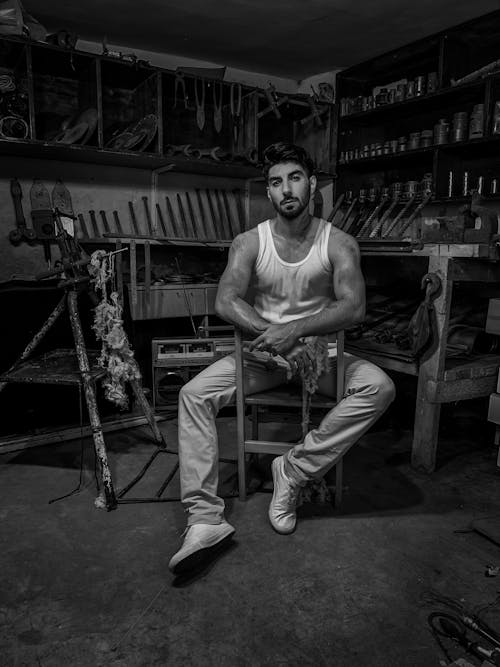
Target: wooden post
[
  {"x": 88, "y": 386},
  {"x": 426, "y": 428}
]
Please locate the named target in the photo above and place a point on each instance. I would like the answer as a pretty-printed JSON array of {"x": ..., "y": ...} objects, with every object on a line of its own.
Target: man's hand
[{"x": 276, "y": 339}]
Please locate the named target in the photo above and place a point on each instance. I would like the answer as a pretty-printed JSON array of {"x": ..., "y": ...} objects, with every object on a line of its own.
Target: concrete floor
[{"x": 83, "y": 587}]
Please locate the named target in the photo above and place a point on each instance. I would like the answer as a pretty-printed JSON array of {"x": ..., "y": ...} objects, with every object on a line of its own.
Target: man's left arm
[{"x": 347, "y": 310}]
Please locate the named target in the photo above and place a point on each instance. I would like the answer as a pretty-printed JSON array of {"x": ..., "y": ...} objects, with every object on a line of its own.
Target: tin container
[
  {"x": 414, "y": 141},
  {"x": 441, "y": 131},
  {"x": 426, "y": 183},
  {"x": 387, "y": 147},
  {"x": 400, "y": 94},
  {"x": 459, "y": 128},
  {"x": 432, "y": 82},
  {"x": 494, "y": 186},
  {"x": 386, "y": 191},
  {"x": 372, "y": 194},
  {"x": 362, "y": 195},
  {"x": 396, "y": 189},
  {"x": 394, "y": 145},
  {"x": 411, "y": 188},
  {"x": 476, "y": 123},
  {"x": 401, "y": 144},
  {"x": 410, "y": 89},
  {"x": 382, "y": 97},
  {"x": 420, "y": 86},
  {"x": 426, "y": 138}
]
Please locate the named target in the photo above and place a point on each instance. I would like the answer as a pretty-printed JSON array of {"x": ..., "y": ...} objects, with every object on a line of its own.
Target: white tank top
[{"x": 285, "y": 291}]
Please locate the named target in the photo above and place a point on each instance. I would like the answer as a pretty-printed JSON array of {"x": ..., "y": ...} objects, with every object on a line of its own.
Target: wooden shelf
[
  {"x": 415, "y": 104},
  {"x": 393, "y": 158}
]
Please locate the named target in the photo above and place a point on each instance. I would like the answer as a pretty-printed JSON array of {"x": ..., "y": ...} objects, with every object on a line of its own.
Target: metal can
[
  {"x": 427, "y": 183},
  {"x": 426, "y": 137},
  {"x": 400, "y": 94},
  {"x": 372, "y": 194},
  {"x": 394, "y": 145},
  {"x": 441, "y": 131},
  {"x": 494, "y": 186},
  {"x": 459, "y": 130},
  {"x": 362, "y": 195},
  {"x": 411, "y": 188},
  {"x": 414, "y": 141},
  {"x": 410, "y": 89},
  {"x": 401, "y": 144},
  {"x": 420, "y": 87},
  {"x": 432, "y": 82},
  {"x": 396, "y": 189}
]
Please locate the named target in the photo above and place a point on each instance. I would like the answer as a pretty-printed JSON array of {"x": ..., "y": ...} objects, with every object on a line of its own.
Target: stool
[{"x": 282, "y": 396}]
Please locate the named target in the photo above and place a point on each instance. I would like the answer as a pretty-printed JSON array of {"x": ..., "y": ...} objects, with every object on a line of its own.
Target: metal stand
[{"x": 55, "y": 369}]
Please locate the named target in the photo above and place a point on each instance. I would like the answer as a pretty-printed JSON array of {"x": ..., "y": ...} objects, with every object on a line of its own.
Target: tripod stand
[{"x": 72, "y": 367}]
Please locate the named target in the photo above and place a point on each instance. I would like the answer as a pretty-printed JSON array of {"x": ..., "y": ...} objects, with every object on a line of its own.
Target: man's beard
[{"x": 292, "y": 213}]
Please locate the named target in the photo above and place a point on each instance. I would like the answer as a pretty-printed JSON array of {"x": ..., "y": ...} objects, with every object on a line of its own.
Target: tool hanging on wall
[
  {"x": 200, "y": 103},
  {"x": 83, "y": 226},
  {"x": 399, "y": 217},
  {"x": 315, "y": 114},
  {"x": 21, "y": 231},
  {"x": 180, "y": 83},
  {"x": 377, "y": 230},
  {"x": 43, "y": 217},
  {"x": 182, "y": 213},
  {"x": 216, "y": 230},
  {"x": 240, "y": 208},
  {"x": 95, "y": 226},
  {"x": 202, "y": 214},
  {"x": 133, "y": 219},
  {"x": 274, "y": 102},
  {"x": 235, "y": 107},
  {"x": 336, "y": 207},
  {"x": 105, "y": 223},
  {"x": 217, "y": 107},
  {"x": 172, "y": 218},
  {"x": 149, "y": 222},
  {"x": 118, "y": 224}
]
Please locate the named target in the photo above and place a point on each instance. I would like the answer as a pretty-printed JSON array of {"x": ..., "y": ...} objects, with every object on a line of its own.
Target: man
[{"x": 307, "y": 282}]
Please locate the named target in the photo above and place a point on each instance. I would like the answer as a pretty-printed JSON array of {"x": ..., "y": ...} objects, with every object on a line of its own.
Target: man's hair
[{"x": 281, "y": 152}]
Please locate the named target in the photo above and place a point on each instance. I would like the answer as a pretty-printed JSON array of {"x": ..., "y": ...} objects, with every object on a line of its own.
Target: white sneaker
[
  {"x": 282, "y": 514},
  {"x": 197, "y": 539}
]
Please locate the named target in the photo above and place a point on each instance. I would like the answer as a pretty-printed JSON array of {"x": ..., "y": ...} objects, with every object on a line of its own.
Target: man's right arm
[{"x": 233, "y": 285}]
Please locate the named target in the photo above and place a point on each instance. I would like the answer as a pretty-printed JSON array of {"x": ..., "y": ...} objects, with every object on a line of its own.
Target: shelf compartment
[
  {"x": 64, "y": 87},
  {"x": 14, "y": 99},
  {"x": 130, "y": 94}
]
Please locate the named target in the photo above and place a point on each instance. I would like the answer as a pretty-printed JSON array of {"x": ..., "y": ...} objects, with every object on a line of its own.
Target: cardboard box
[{"x": 493, "y": 319}]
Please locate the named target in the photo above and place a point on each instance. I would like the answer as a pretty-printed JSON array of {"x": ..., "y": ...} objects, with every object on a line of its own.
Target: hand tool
[
  {"x": 232, "y": 226},
  {"x": 336, "y": 207},
  {"x": 42, "y": 214},
  {"x": 135, "y": 226},
  {"x": 202, "y": 214},
  {"x": 173, "y": 220},
  {"x": 315, "y": 114},
  {"x": 148, "y": 215},
  {"x": 61, "y": 199},
  {"x": 21, "y": 231},
  {"x": 206, "y": 152},
  {"x": 95, "y": 228},
  {"x": 159, "y": 215},
  {"x": 217, "y": 234},
  {"x": 344, "y": 223},
  {"x": 414, "y": 214},
  {"x": 399, "y": 217},
  {"x": 118, "y": 224},
  {"x": 226, "y": 232},
  {"x": 217, "y": 107},
  {"x": 83, "y": 226},
  {"x": 105, "y": 222},
  {"x": 174, "y": 149},
  {"x": 377, "y": 230},
  {"x": 240, "y": 209},
  {"x": 367, "y": 224},
  {"x": 274, "y": 102},
  {"x": 179, "y": 81},
  {"x": 183, "y": 218},
  {"x": 200, "y": 103},
  {"x": 197, "y": 233},
  {"x": 235, "y": 106}
]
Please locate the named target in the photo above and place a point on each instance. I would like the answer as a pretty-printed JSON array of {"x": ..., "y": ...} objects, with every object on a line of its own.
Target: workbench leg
[
  {"x": 95, "y": 422},
  {"x": 426, "y": 427}
]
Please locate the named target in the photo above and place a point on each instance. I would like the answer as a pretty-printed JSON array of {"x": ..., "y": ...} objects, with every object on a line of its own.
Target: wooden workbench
[{"x": 442, "y": 380}]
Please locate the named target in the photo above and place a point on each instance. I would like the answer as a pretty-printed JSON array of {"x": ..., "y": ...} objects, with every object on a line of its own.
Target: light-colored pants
[{"x": 368, "y": 392}]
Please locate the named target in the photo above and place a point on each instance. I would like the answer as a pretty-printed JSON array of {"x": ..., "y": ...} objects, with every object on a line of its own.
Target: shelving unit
[
  {"x": 366, "y": 159},
  {"x": 364, "y": 179}
]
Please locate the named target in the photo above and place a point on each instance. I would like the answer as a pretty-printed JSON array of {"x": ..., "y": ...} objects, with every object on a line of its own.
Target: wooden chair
[{"x": 283, "y": 396}]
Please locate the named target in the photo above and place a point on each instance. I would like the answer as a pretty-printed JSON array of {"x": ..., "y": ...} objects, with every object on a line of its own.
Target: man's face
[{"x": 289, "y": 189}]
